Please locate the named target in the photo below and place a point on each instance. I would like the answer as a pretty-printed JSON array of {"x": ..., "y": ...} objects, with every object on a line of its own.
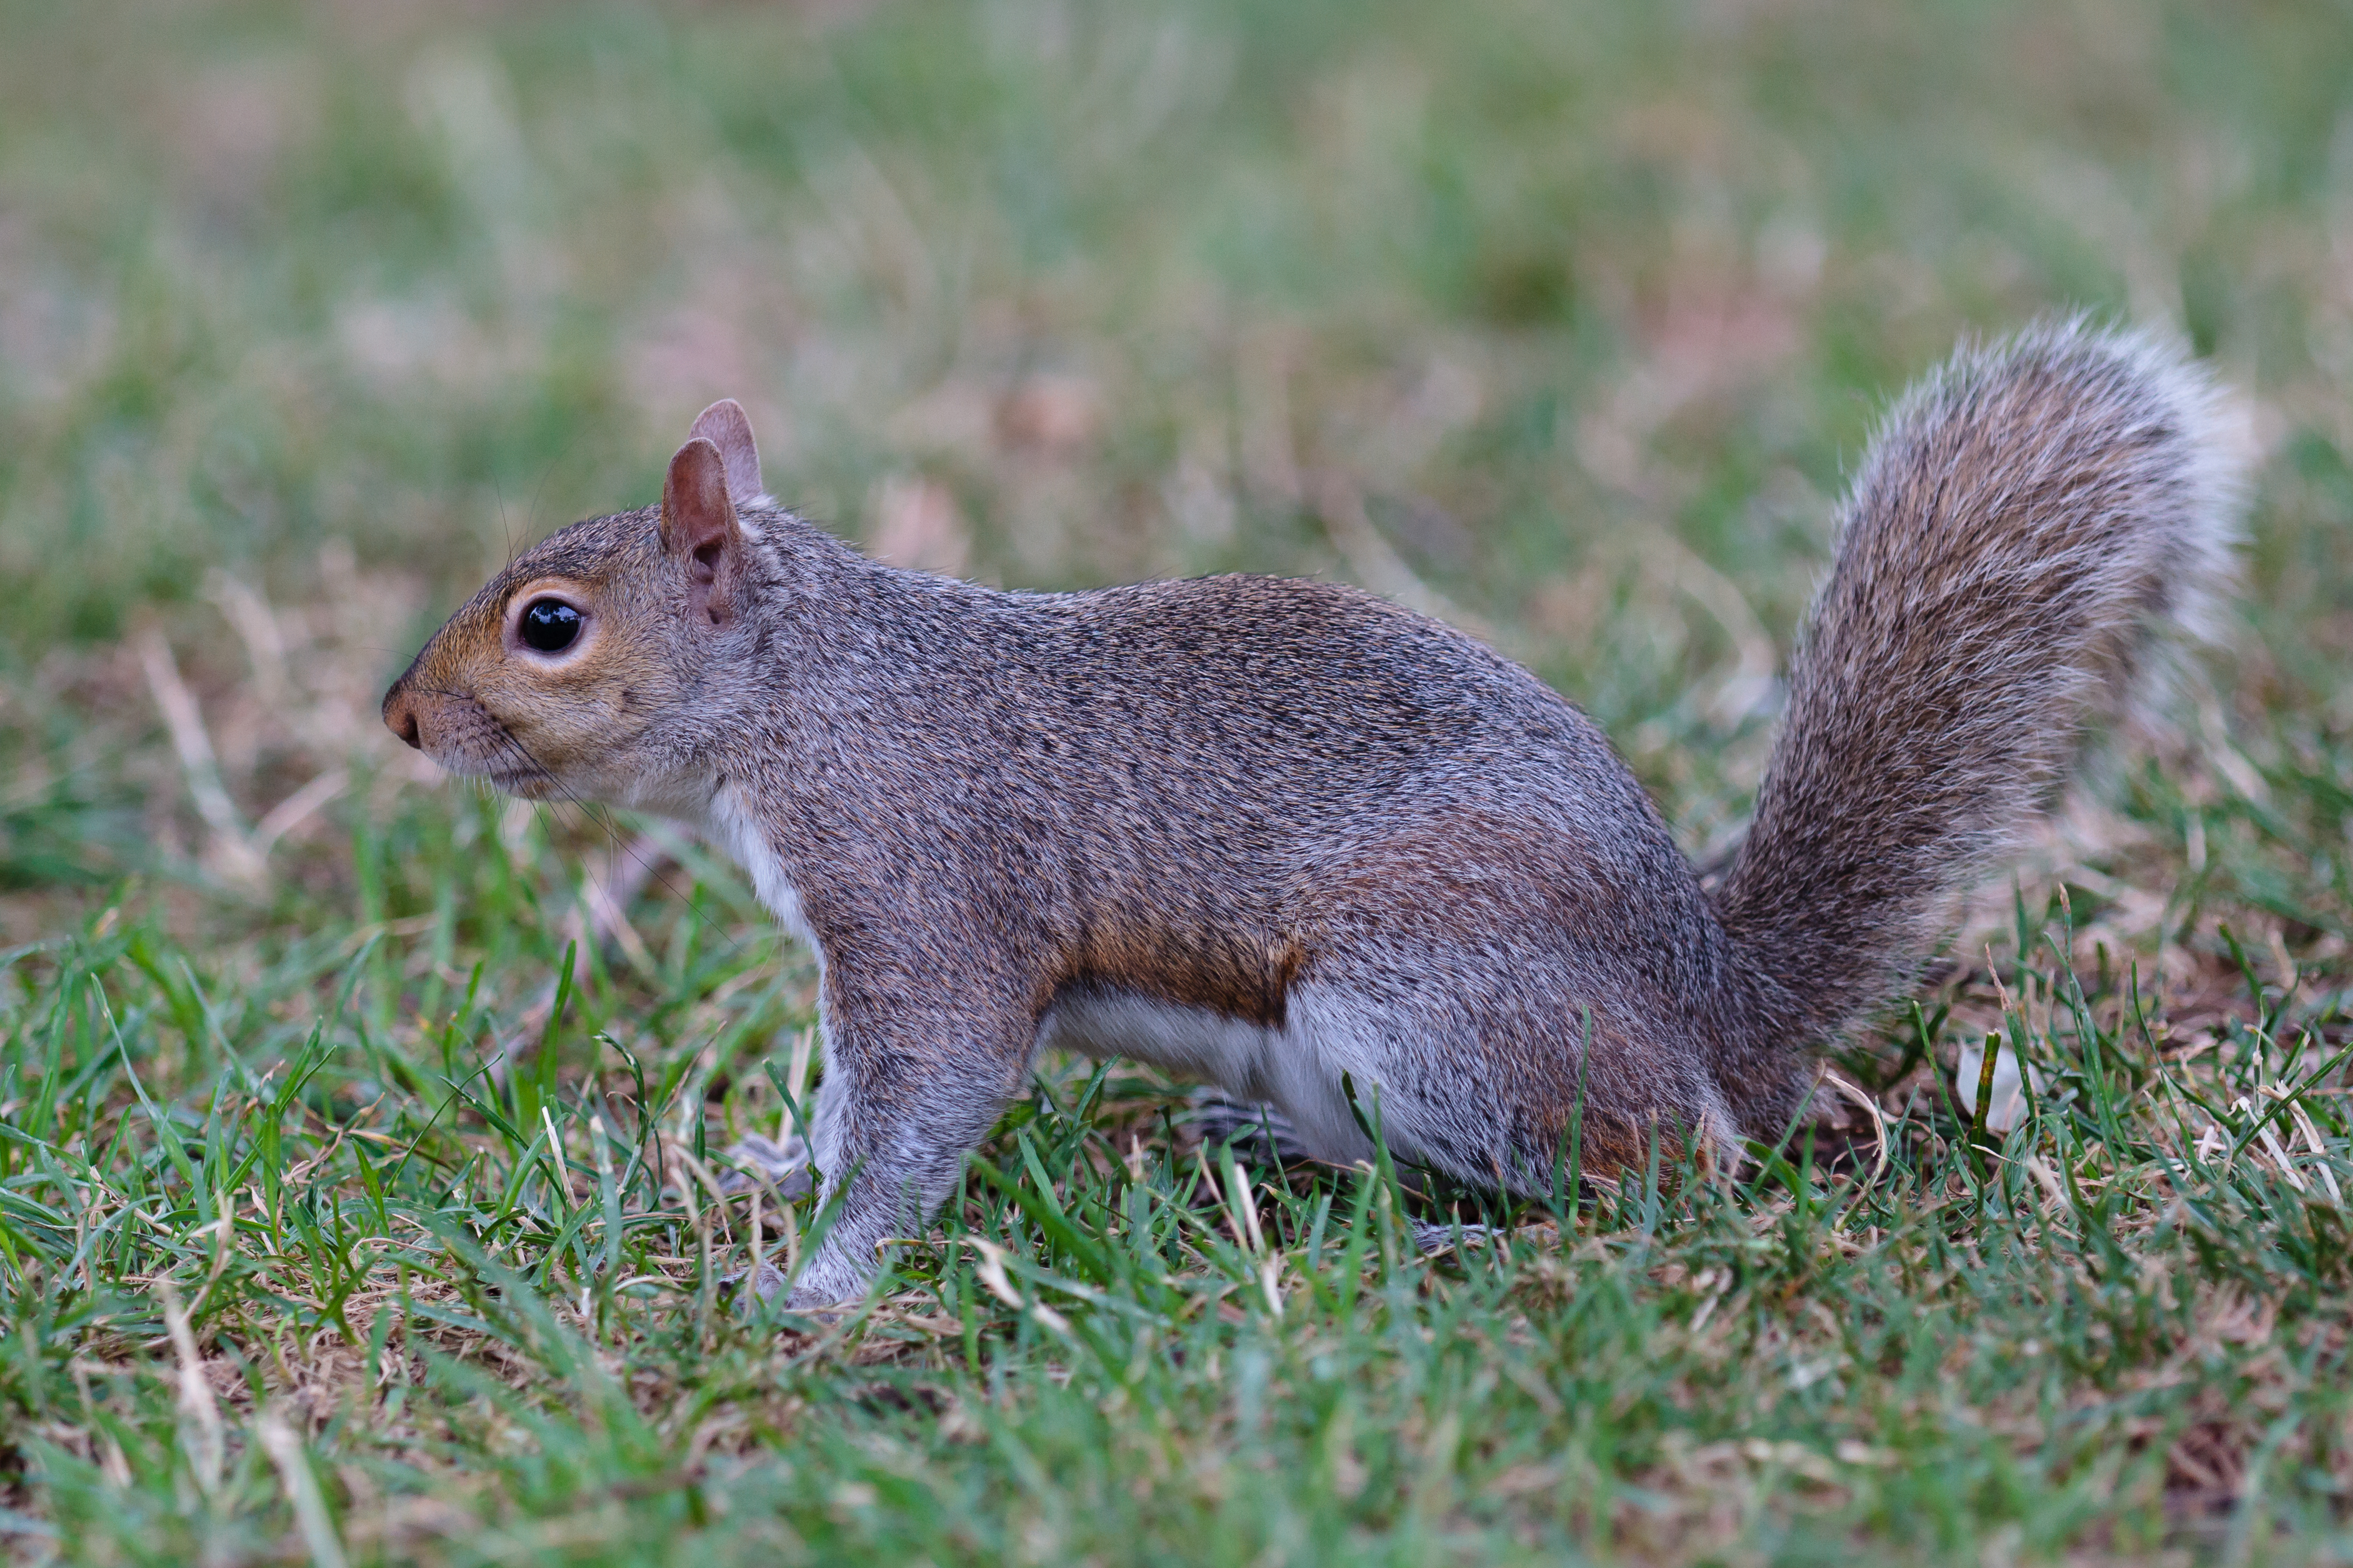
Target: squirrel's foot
[
  {"x": 1256, "y": 1131},
  {"x": 768, "y": 1285},
  {"x": 782, "y": 1168},
  {"x": 765, "y": 1283},
  {"x": 1262, "y": 1134},
  {"x": 1430, "y": 1238}
]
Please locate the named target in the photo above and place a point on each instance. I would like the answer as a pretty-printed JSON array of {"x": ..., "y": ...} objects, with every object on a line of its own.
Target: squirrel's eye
[{"x": 549, "y": 624}]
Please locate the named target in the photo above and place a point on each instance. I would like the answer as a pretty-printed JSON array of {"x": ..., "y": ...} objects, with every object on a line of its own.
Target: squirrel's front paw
[
  {"x": 770, "y": 1285},
  {"x": 783, "y": 1167},
  {"x": 765, "y": 1283}
]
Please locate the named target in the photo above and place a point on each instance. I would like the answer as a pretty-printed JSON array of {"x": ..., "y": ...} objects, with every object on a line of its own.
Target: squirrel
[{"x": 1290, "y": 838}]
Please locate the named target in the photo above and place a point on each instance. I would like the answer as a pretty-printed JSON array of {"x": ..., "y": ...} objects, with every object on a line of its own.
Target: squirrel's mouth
[
  {"x": 506, "y": 769},
  {"x": 515, "y": 781},
  {"x": 492, "y": 755},
  {"x": 465, "y": 738}
]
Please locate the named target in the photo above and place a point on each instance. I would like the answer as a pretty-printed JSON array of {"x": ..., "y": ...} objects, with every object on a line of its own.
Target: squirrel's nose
[{"x": 400, "y": 718}]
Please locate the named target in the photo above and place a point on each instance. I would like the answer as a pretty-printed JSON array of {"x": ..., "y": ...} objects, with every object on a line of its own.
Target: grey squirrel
[{"x": 1283, "y": 836}]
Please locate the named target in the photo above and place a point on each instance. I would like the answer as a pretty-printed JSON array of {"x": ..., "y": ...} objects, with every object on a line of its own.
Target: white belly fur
[{"x": 1297, "y": 1067}]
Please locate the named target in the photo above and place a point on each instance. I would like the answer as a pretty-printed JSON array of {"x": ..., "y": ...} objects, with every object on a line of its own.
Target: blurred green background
[{"x": 1588, "y": 306}]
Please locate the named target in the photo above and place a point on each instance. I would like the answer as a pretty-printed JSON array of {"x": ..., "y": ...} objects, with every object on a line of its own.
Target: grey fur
[
  {"x": 1273, "y": 831},
  {"x": 2027, "y": 522}
]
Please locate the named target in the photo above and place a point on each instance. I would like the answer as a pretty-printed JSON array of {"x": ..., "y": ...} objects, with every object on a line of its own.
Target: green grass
[{"x": 309, "y": 316}]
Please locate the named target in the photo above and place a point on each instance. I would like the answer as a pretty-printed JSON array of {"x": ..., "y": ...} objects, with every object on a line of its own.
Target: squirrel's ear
[
  {"x": 698, "y": 525},
  {"x": 724, "y": 425}
]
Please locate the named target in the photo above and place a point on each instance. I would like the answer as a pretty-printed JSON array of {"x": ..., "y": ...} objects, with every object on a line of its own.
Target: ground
[{"x": 339, "y": 1222}]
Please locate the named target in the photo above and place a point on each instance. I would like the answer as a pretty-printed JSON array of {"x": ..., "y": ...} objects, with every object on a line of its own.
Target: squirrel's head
[{"x": 584, "y": 671}]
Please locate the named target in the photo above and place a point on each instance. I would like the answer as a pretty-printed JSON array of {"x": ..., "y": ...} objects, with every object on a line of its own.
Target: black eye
[{"x": 549, "y": 624}]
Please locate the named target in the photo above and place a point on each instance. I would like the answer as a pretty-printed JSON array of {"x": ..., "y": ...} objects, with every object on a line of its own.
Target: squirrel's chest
[{"x": 732, "y": 826}]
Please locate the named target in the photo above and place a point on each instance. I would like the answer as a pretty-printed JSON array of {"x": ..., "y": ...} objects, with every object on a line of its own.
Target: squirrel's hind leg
[{"x": 1462, "y": 1081}]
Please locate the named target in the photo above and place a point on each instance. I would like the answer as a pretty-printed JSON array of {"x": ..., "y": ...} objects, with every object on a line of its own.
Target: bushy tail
[{"x": 2029, "y": 520}]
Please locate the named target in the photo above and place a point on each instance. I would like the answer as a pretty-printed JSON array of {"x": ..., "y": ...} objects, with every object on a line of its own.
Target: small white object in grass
[
  {"x": 208, "y": 1450},
  {"x": 311, "y": 1516},
  {"x": 555, "y": 1145},
  {"x": 991, "y": 1270},
  {"x": 2007, "y": 1108}
]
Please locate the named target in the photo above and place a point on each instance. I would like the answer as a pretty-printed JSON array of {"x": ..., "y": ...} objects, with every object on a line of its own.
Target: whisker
[
  {"x": 531, "y": 518},
  {"x": 499, "y": 491},
  {"x": 598, "y": 814}
]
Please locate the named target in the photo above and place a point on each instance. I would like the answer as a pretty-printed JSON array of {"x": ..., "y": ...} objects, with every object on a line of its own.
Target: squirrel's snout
[{"x": 400, "y": 718}]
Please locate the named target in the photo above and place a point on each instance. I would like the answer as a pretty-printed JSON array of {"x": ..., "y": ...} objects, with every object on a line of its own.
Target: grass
[{"x": 329, "y": 1232}]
